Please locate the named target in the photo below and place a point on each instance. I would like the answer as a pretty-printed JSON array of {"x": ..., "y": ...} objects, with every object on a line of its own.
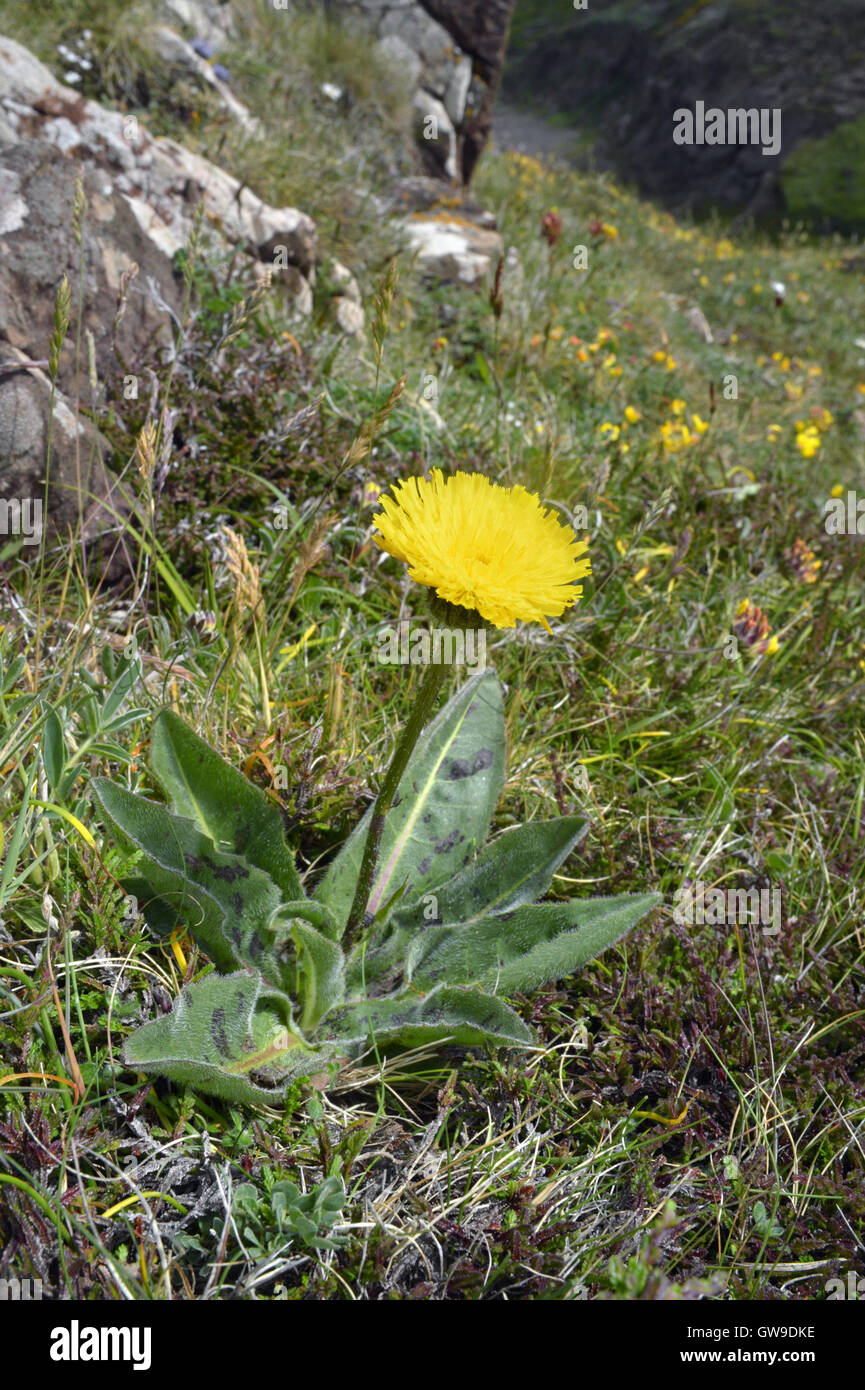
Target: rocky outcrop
[
  {"x": 80, "y": 488},
  {"x": 452, "y": 236},
  {"x": 137, "y": 200},
  {"x": 452, "y": 52},
  {"x": 620, "y": 72},
  {"x": 480, "y": 27}
]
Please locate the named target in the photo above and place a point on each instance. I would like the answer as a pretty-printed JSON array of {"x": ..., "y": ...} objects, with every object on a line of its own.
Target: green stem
[{"x": 423, "y": 708}]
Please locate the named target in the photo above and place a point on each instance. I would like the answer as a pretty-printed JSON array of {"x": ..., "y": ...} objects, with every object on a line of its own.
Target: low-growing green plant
[
  {"x": 456, "y": 927},
  {"x": 269, "y": 1223},
  {"x": 286, "y": 1214},
  {"x": 417, "y": 928}
]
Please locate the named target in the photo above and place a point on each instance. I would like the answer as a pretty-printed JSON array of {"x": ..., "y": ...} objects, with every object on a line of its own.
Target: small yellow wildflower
[{"x": 807, "y": 439}]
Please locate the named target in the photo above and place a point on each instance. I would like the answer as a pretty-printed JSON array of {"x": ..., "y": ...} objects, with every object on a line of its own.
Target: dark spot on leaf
[
  {"x": 423, "y": 866},
  {"x": 227, "y": 873},
  {"x": 396, "y": 799},
  {"x": 448, "y": 842},
  {"x": 256, "y": 945},
  {"x": 427, "y": 818},
  {"x": 217, "y": 1032},
  {"x": 461, "y": 767},
  {"x": 237, "y": 903}
]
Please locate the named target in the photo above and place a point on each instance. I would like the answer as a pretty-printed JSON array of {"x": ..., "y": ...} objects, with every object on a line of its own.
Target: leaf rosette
[{"x": 452, "y": 922}]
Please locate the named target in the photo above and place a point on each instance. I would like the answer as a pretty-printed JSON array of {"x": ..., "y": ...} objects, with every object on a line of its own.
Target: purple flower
[
  {"x": 222, "y": 73},
  {"x": 202, "y": 48}
]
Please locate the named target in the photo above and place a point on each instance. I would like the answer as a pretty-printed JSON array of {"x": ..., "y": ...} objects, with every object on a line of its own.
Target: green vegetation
[
  {"x": 688, "y": 1119},
  {"x": 822, "y": 179}
]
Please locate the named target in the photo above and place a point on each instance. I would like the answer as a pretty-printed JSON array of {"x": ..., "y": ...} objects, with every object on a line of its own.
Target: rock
[
  {"x": 164, "y": 181},
  {"x": 480, "y": 28},
  {"x": 401, "y": 56},
  {"x": 40, "y": 246},
  {"x": 457, "y": 92},
  {"x": 139, "y": 201},
  {"x": 452, "y": 249},
  {"x": 433, "y": 45},
  {"x": 435, "y": 134},
  {"x": 349, "y": 316},
  {"x": 174, "y": 51},
  {"x": 418, "y": 194},
  {"x": 206, "y": 19},
  {"x": 79, "y": 485},
  {"x": 343, "y": 277},
  {"x": 455, "y": 239},
  {"x": 346, "y": 304},
  {"x": 457, "y": 50}
]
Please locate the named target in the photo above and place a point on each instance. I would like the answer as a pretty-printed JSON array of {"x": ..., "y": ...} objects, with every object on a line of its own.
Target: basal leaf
[
  {"x": 53, "y": 747},
  {"x": 224, "y": 804},
  {"x": 159, "y": 915},
  {"x": 227, "y": 1035},
  {"x": 225, "y": 903},
  {"x": 516, "y": 868},
  {"x": 443, "y": 806},
  {"x": 463, "y": 1016},
  {"x": 377, "y": 966},
  {"x": 525, "y": 948},
  {"x": 320, "y": 963}
]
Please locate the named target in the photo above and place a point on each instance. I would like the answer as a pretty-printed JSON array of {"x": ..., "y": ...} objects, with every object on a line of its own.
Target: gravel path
[{"x": 529, "y": 134}]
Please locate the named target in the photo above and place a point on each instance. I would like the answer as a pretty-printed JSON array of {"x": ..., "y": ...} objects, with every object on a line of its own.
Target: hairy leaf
[
  {"x": 376, "y": 967},
  {"x": 516, "y": 868},
  {"x": 443, "y": 806},
  {"x": 224, "y": 902},
  {"x": 462, "y": 1016},
  {"x": 224, "y": 804},
  {"x": 320, "y": 963},
  {"x": 227, "y": 1035},
  {"x": 159, "y": 914},
  {"x": 525, "y": 948}
]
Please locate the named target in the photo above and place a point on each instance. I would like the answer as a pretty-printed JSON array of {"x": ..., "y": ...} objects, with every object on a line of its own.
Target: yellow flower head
[{"x": 482, "y": 546}]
